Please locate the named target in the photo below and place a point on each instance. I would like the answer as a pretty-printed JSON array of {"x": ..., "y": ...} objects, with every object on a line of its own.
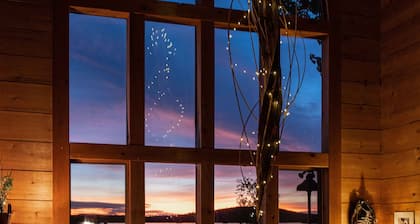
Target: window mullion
[
  {"x": 135, "y": 184},
  {"x": 205, "y": 124},
  {"x": 136, "y": 80}
]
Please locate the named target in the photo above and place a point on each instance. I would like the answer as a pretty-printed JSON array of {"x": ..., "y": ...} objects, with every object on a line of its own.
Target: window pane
[
  {"x": 233, "y": 205},
  {"x": 302, "y": 130},
  {"x": 97, "y": 193},
  {"x": 293, "y": 204},
  {"x": 170, "y": 193},
  {"x": 97, "y": 72},
  {"x": 181, "y": 1},
  {"x": 236, "y": 4},
  {"x": 170, "y": 84},
  {"x": 228, "y": 125}
]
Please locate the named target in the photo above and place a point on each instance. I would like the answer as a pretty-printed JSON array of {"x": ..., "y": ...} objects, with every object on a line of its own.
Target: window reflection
[
  {"x": 97, "y": 72},
  {"x": 169, "y": 84},
  {"x": 97, "y": 193},
  {"x": 229, "y": 132},
  {"x": 170, "y": 192},
  {"x": 293, "y": 204},
  {"x": 234, "y": 196}
]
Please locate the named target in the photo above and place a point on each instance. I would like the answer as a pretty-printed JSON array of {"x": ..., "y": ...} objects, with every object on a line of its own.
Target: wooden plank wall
[
  {"x": 400, "y": 97},
  {"x": 360, "y": 103},
  {"x": 378, "y": 160},
  {"x": 25, "y": 106}
]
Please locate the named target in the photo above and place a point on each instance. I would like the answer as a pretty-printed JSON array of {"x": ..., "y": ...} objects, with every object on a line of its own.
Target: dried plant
[
  {"x": 246, "y": 192},
  {"x": 6, "y": 185}
]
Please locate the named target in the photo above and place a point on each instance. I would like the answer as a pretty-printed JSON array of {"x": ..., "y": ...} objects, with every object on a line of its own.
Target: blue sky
[{"x": 98, "y": 68}]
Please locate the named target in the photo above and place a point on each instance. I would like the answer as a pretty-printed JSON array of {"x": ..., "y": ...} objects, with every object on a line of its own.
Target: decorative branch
[{"x": 277, "y": 91}]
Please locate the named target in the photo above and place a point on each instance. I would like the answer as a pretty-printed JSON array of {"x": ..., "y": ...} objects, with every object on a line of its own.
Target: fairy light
[
  {"x": 265, "y": 74},
  {"x": 160, "y": 41}
]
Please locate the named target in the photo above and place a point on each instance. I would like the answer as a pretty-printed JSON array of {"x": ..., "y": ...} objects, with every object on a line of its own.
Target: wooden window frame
[{"x": 205, "y": 18}]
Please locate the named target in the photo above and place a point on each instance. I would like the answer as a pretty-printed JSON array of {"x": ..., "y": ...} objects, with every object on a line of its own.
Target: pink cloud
[
  {"x": 98, "y": 123},
  {"x": 294, "y": 144},
  {"x": 95, "y": 63}
]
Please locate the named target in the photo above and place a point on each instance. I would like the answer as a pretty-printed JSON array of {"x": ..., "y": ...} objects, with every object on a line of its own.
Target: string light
[
  {"x": 264, "y": 75},
  {"x": 161, "y": 43}
]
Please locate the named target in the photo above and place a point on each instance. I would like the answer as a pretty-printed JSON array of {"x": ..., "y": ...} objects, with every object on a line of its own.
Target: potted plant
[{"x": 6, "y": 185}]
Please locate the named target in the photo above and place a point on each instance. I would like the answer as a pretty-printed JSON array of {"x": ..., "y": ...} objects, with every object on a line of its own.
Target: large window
[{"x": 155, "y": 97}]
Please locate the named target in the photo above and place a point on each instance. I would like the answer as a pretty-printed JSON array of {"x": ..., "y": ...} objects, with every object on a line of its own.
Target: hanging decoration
[
  {"x": 363, "y": 213},
  {"x": 158, "y": 88},
  {"x": 277, "y": 89}
]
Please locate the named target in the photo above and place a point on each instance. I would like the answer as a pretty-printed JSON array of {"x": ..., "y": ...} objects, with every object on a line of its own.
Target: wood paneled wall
[
  {"x": 400, "y": 97},
  {"x": 360, "y": 104},
  {"x": 380, "y": 82},
  {"x": 25, "y": 106}
]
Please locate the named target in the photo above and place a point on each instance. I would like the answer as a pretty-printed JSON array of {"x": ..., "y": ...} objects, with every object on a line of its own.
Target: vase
[{"x": 5, "y": 218}]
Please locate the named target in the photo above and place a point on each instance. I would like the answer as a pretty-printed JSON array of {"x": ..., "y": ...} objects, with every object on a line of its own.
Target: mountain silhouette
[{"x": 237, "y": 215}]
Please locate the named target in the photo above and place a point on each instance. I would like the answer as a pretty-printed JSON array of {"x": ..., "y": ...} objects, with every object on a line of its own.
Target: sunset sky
[{"x": 98, "y": 70}]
